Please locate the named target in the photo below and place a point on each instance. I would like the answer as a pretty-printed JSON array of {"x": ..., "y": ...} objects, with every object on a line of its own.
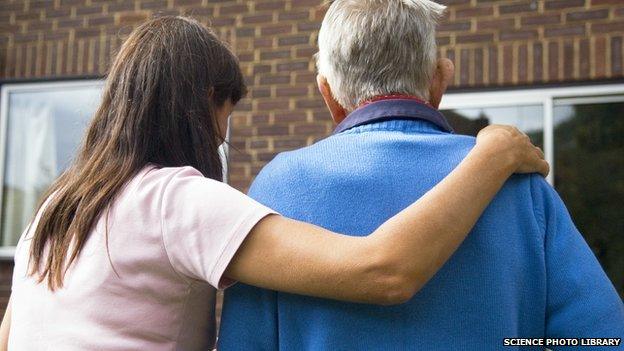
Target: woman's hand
[{"x": 513, "y": 147}]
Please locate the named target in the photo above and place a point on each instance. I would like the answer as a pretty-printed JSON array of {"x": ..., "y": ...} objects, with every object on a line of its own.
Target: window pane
[
  {"x": 44, "y": 128},
  {"x": 529, "y": 119},
  {"x": 589, "y": 176}
]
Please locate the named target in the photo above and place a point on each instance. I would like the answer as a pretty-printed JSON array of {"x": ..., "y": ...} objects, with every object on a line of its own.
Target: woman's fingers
[
  {"x": 540, "y": 152},
  {"x": 537, "y": 163}
]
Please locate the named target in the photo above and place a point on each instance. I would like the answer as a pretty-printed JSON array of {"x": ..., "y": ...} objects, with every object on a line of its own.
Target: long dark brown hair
[{"x": 158, "y": 106}]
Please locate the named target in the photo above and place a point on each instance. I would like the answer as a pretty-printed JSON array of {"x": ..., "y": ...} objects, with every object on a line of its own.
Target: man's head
[{"x": 369, "y": 48}]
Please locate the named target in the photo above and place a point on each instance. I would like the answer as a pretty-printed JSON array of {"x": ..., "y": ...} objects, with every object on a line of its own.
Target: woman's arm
[
  {"x": 394, "y": 262},
  {"x": 5, "y": 327}
]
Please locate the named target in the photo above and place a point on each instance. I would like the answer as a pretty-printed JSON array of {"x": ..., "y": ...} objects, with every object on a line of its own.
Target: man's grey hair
[{"x": 378, "y": 47}]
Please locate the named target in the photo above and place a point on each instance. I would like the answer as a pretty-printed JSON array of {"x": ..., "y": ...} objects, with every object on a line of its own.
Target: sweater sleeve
[{"x": 581, "y": 300}]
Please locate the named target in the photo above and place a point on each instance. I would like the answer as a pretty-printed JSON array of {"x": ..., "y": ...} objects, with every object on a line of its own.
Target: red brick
[
  {"x": 606, "y": 2},
  {"x": 305, "y": 52},
  {"x": 541, "y": 19},
  {"x": 291, "y": 91},
  {"x": 616, "y": 56},
  {"x": 259, "y": 118},
  {"x": 564, "y": 31},
  {"x": 522, "y": 6},
  {"x": 474, "y": 38},
  {"x": 235, "y": 9},
  {"x": 262, "y": 42},
  {"x": 257, "y": 69},
  {"x": 523, "y": 64},
  {"x": 307, "y": 3},
  {"x": 538, "y": 62},
  {"x": 273, "y": 104},
  {"x": 291, "y": 116},
  {"x": 272, "y": 129},
  {"x": 28, "y": 16},
  {"x": 475, "y": 12},
  {"x": 39, "y": 25},
  {"x": 553, "y": 61},
  {"x": 87, "y": 32},
  {"x": 568, "y": 59},
  {"x": 607, "y": 27},
  {"x": 121, "y": 6},
  {"x": 293, "y": 40},
  {"x": 290, "y": 16},
  {"x": 89, "y": 10},
  {"x": 260, "y": 92},
  {"x": 454, "y": 26},
  {"x": 253, "y": 19},
  {"x": 441, "y": 41},
  {"x": 276, "y": 29},
  {"x": 584, "y": 62},
  {"x": 258, "y": 144},
  {"x": 132, "y": 18},
  {"x": 289, "y": 143},
  {"x": 60, "y": 12},
  {"x": 478, "y": 66},
  {"x": 308, "y": 26},
  {"x": 517, "y": 34},
  {"x": 245, "y": 32},
  {"x": 266, "y": 156},
  {"x": 586, "y": 15},
  {"x": 508, "y": 76},
  {"x": 70, "y": 23},
  {"x": 293, "y": 66},
  {"x": 101, "y": 20},
  {"x": 307, "y": 129},
  {"x": 504, "y": 23},
  {"x": 177, "y": 3},
  {"x": 272, "y": 6},
  {"x": 453, "y": 2},
  {"x": 562, "y": 4},
  {"x": 464, "y": 72},
  {"x": 153, "y": 4},
  {"x": 307, "y": 103},
  {"x": 268, "y": 55}
]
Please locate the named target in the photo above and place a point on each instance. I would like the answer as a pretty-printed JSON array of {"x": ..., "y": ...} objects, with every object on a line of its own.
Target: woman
[{"x": 132, "y": 241}]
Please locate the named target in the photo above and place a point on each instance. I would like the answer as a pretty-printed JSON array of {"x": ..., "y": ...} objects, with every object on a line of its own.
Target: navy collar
[{"x": 393, "y": 109}]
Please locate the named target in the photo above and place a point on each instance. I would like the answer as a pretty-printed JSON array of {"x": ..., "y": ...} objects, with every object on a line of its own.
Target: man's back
[{"x": 524, "y": 270}]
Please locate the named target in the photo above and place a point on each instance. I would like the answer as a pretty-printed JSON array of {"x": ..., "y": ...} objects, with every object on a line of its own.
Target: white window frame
[{"x": 548, "y": 98}]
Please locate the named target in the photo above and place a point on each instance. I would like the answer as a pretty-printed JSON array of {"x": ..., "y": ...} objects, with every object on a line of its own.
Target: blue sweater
[{"x": 524, "y": 270}]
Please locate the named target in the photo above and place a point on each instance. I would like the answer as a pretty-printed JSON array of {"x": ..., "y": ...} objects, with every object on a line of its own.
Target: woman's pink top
[{"x": 171, "y": 235}]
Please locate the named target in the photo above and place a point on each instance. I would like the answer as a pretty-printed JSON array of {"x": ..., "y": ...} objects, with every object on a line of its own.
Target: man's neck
[{"x": 393, "y": 97}]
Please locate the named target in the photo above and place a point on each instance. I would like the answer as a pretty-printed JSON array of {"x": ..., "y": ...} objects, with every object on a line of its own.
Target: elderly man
[{"x": 525, "y": 270}]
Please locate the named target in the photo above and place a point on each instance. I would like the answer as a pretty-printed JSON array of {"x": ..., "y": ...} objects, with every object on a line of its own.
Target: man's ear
[
  {"x": 338, "y": 112},
  {"x": 442, "y": 77}
]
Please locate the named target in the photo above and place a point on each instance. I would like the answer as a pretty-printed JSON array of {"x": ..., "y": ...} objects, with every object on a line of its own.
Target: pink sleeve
[{"x": 204, "y": 224}]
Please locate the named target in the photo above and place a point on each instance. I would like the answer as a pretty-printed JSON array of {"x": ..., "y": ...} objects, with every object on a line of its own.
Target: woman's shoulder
[
  {"x": 181, "y": 183},
  {"x": 163, "y": 177}
]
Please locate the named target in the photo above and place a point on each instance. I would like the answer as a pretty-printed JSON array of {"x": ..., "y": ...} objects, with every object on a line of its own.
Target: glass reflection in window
[
  {"x": 529, "y": 119},
  {"x": 589, "y": 176},
  {"x": 44, "y": 127}
]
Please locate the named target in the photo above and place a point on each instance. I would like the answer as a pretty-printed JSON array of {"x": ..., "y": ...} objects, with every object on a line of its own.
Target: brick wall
[{"x": 493, "y": 43}]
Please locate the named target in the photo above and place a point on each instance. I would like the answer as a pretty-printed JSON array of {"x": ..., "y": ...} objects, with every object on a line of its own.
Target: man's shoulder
[
  {"x": 340, "y": 151},
  {"x": 285, "y": 168},
  {"x": 290, "y": 162}
]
